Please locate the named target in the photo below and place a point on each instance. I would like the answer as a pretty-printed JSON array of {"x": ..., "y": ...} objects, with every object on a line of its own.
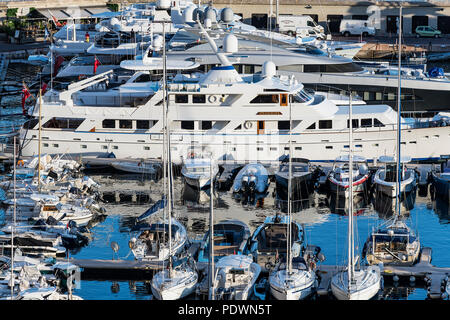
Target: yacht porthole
[
  {"x": 212, "y": 99},
  {"x": 247, "y": 124}
]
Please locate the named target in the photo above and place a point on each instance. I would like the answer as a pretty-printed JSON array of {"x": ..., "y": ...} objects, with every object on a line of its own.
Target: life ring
[
  {"x": 247, "y": 124},
  {"x": 212, "y": 99},
  {"x": 20, "y": 163}
]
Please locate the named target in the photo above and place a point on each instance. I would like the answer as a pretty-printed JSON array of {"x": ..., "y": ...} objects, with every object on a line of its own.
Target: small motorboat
[
  {"x": 268, "y": 244},
  {"x": 197, "y": 172},
  {"x": 230, "y": 238},
  {"x": 136, "y": 167},
  {"x": 393, "y": 243},
  {"x": 385, "y": 179},
  {"x": 338, "y": 177},
  {"x": 302, "y": 182},
  {"x": 251, "y": 180},
  {"x": 65, "y": 212}
]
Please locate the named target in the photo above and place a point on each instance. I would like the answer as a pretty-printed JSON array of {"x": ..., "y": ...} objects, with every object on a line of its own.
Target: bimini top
[
  {"x": 390, "y": 159},
  {"x": 345, "y": 158},
  {"x": 235, "y": 261}
]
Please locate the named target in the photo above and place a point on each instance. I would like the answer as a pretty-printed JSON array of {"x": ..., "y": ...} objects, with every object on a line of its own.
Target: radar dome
[
  {"x": 163, "y": 4},
  {"x": 227, "y": 15},
  {"x": 210, "y": 13},
  {"x": 188, "y": 14},
  {"x": 268, "y": 69},
  {"x": 157, "y": 42},
  {"x": 230, "y": 43}
]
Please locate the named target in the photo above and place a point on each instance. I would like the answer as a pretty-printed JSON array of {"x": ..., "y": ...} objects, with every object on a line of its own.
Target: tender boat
[
  {"x": 251, "y": 180},
  {"x": 302, "y": 183},
  {"x": 338, "y": 178},
  {"x": 385, "y": 178},
  {"x": 136, "y": 167},
  {"x": 197, "y": 171}
]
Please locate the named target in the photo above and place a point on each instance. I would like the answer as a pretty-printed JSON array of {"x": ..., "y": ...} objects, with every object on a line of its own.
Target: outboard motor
[
  {"x": 252, "y": 189},
  {"x": 245, "y": 189}
]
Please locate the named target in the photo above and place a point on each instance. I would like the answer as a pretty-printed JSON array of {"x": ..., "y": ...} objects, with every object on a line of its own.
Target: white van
[
  {"x": 356, "y": 27},
  {"x": 289, "y": 23}
]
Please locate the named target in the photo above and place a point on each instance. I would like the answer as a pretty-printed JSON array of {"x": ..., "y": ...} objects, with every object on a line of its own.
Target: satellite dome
[
  {"x": 230, "y": 43},
  {"x": 227, "y": 15},
  {"x": 268, "y": 69},
  {"x": 163, "y": 4},
  {"x": 210, "y": 13},
  {"x": 188, "y": 14},
  {"x": 157, "y": 42}
]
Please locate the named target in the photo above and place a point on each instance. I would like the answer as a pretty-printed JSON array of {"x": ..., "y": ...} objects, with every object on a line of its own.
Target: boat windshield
[
  {"x": 301, "y": 97},
  {"x": 295, "y": 168}
]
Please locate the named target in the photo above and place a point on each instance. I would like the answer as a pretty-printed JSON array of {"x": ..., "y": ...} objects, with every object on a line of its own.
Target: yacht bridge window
[
  {"x": 108, "y": 124},
  {"x": 266, "y": 98},
  {"x": 63, "y": 123},
  {"x": 125, "y": 124},
  {"x": 325, "y": 124},
  {"x": 181, "y": 98}
]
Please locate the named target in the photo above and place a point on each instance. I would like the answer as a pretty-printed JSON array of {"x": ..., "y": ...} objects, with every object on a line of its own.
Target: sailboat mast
[
  {"x": 350, "y": 197},
  {"x": 289, "y": 237},
  {"x": 169, "y": 171},
  {"x": 14, "y": 224},
  {"x": 211, "y": 236},
  {"x": 39, "y": 143},
  {"x": 399, "y": 109}
]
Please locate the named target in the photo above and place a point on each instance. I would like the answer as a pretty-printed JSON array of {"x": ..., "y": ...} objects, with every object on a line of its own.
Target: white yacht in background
[{"x": 238, "y": 117}]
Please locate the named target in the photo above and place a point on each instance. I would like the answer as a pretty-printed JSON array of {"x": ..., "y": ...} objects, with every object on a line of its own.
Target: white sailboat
[
  {"x": 292, "y": 283},
  {"x": 172, "y": 283},
  {"x": 352, "y": 284}
]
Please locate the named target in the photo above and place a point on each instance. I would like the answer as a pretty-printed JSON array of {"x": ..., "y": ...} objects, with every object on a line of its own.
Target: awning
[{"x": 72, "y": 13}]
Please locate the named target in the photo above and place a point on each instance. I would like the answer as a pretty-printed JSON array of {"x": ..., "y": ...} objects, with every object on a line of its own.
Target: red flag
[
  {"x": 44, "y": 88},
  {"x": 25, "y": 95},
  {"x": 59, "y": 60},
  {"x": 96, "y": 64}
]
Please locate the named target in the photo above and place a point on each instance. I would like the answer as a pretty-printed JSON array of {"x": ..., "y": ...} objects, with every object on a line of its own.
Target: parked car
[{"x": 427, "y": 31}]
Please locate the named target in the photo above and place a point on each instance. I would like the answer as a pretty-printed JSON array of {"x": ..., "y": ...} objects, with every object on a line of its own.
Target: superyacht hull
[{"x": 421, "y": 144}]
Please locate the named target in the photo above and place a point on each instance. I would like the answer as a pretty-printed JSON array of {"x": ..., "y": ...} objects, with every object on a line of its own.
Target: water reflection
[
  {"x": 442, "y": 209},
  {"x": 385, "y": 206}
]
